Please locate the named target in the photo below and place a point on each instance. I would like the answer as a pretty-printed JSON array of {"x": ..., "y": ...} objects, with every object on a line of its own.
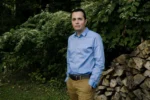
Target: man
[{"x": 85, "y": 59}]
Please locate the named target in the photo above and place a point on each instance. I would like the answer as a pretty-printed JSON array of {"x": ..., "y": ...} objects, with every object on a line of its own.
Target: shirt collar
[{"x": 84, "y": 33}]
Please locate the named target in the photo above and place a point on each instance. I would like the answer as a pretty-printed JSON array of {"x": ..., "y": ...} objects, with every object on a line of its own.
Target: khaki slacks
[{"x": 80, "y": 89}]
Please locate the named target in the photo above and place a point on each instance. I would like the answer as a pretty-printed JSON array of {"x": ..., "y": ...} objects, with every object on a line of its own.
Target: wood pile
[{"x": 128, "y": 77}]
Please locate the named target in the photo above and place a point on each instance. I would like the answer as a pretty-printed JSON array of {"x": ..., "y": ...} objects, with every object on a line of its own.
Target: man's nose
[{"x": 77, "y": 22}]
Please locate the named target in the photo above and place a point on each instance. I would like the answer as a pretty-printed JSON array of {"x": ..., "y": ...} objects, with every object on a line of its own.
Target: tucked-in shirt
[{"x": 85, "y": 55}]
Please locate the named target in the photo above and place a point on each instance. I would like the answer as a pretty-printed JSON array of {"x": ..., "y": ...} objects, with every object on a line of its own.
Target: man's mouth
[{"x": 77, "y": 26}]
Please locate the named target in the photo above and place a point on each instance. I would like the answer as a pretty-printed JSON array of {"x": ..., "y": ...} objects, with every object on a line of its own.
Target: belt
[{"x": 79, "y": 77}]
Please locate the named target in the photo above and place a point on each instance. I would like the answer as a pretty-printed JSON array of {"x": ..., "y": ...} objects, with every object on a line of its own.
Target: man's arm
[
  {"x": 99, "y": 59},
  {"x": 67, "y": 72}
]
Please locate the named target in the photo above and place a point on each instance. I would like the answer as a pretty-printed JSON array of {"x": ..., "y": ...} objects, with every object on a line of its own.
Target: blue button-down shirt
[{"x": 85, "y": 55}]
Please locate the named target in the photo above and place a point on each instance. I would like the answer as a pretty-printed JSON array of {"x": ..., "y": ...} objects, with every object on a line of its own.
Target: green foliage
[
  {"x": 37, "y": 77},
  {"x": 39, "y": 45}
]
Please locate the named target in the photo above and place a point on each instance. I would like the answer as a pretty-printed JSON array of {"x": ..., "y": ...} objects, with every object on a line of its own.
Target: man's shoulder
[
  {"x": 93, "y": 34},
  {"x": 71, "y": 36}
]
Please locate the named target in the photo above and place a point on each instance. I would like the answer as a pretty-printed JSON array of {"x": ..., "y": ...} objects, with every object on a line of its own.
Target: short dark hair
[{"x": 77, "y": 10}]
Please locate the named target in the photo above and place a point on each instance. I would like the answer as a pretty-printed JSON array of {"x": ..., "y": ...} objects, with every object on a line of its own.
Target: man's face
[{"x": 78, "y": 21}]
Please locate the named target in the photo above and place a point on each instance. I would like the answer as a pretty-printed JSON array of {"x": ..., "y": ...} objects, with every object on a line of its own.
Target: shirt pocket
[{"x": 86, "y": 48}]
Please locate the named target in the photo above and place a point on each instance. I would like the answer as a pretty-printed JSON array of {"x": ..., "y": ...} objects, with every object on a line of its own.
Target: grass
[{"x": 32, "y": 91}]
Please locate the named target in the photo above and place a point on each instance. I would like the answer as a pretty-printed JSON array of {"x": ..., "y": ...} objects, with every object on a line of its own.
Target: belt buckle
[{"x": 78, "y": 77}]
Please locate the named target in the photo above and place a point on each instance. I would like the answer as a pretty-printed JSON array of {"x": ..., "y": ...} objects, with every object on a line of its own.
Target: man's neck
[{"x": 79, "y": 32}]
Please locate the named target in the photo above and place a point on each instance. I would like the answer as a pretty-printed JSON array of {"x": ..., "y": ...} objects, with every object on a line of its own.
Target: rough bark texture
[{"x": 128, "y": 76}]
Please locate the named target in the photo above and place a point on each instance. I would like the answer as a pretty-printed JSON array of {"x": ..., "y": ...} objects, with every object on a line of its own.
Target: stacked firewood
[{"x": 128, "y": 77}]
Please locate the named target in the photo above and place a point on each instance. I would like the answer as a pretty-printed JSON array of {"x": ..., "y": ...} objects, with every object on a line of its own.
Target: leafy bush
[{"x": 39, "y": 44}]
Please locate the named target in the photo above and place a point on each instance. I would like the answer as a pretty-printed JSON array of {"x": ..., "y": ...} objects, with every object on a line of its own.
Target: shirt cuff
[
  {"x": 92, "y": 83},
  {"x": 66, "y": 79}
]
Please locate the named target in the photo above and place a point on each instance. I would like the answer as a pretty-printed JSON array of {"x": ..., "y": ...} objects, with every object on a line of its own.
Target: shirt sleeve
[
  {"x": 99, "y": 62},
  {"x": 67, "y": 72}
]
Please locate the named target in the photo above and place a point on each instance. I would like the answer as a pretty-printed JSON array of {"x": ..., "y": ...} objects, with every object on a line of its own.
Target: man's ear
[{"x": 86, "y": 22}]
